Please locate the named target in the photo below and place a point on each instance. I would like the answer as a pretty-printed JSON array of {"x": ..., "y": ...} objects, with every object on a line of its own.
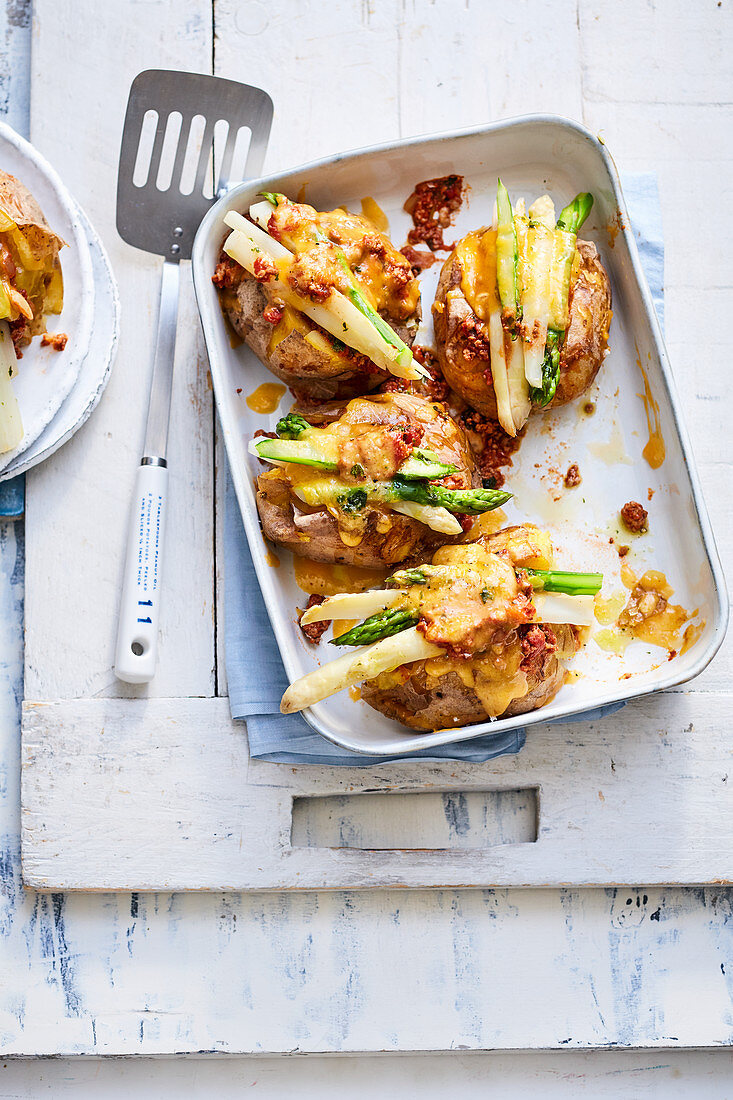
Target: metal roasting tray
[{"x": 533, "y": 154}]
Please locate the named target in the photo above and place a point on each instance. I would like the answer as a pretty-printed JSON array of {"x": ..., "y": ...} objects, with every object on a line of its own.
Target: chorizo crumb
[
  {"x": 273, "y": 314},
  {"x": 622, "y": 551},
  {"x": 418, "y": 260},
  {"x": 228, "y": 273},
  {"x": 538, "y": 642},
  {"x": 431, "y": 206},
  {"x": 589, "y": 408},
  {"x": 475, "y": 338},
  {"x": 264, "y": 269},
  {"x": 572, "y": 477},
  {"x": 634, "y": 517},
  {"x": 314, "y": 631},
  {"x": 495, "y": 448},
  {"x": 435, "y": 388},
  {"x": 55, "y": 340},
  {"x": 649, "y": 494}
]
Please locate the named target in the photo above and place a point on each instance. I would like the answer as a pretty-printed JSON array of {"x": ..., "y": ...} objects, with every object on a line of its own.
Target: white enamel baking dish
[{"x": 533, "y": 154}]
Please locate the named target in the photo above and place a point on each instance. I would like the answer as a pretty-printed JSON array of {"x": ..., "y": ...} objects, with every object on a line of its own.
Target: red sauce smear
[{"x": 432, "y": 207}]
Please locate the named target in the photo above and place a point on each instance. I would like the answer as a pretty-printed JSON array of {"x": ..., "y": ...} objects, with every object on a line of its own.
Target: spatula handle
[{"x": 137, "y": 636}]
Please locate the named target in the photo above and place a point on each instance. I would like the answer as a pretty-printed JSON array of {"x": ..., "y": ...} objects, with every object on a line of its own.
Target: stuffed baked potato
[
  {"x": 31, "y": 286},
  {"x": 522, "y": 312},
  {"x": 481, "y": 632},
  {"x": 324, "y": 300},
  {"x": 392, "y": 477}
]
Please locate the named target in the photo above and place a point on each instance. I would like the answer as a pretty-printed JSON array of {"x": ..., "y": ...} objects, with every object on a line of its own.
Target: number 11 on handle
[{"x": 137, "y": 637}]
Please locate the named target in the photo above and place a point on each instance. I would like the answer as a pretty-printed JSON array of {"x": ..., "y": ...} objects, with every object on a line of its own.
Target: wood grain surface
[{"x": 379, "y": 970}]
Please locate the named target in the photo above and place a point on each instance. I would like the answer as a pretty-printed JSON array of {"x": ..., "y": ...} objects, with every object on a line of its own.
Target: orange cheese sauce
[
  {"x": 692, "y": 633},
  {"x": 266, "y": 398},
  {"x": 371, "y": 210},
  {"x": 607, "y": 610},
  {"x": 488, "y": 523},
  {"x": 373, "y": 268},
  {"x": 655, "y": 450},
  {"x": 495, "y": 676},
  {"x": 477, "y": 255},
  {"x": 648, "y": 615},
  {"x": 325, "y": 579},
  {"x": 340, "y": 626}
]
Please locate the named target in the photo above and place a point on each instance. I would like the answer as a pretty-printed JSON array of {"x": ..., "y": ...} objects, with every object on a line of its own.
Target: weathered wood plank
[
  {"x": 398, "y": 970},
  {"x": 170, "y": 801},
  {"x": 331, "y": 70},
  {"x": 77, "y": 509}
]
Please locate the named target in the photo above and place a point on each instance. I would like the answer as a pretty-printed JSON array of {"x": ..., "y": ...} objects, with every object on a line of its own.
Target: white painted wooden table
[{"x": 350, "y": 972}]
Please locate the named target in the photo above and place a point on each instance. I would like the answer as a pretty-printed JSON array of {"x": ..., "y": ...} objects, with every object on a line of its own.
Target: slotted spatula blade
[
  {"x": 187, "y": 136},
  {"x": 187, "y": 108}
]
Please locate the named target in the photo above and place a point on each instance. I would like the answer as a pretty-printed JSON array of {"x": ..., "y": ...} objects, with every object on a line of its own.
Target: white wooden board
[
  {"x": 195, "y": 769},
  {"x": 167, "y": 799},
  {"x": 381, "y": 970}
]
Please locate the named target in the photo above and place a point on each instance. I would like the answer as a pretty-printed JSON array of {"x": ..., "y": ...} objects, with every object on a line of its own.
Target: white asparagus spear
[
  {"x": 353, "y": 668},
  {"x": 261, "y": 212},
  {"x": 558, "y": 607},
  {"x": 11, "y": 424},
  {"x": 551, "y": 607},
  {"x": 436, "y": 518},
  {"x": 351, "y": 605}
]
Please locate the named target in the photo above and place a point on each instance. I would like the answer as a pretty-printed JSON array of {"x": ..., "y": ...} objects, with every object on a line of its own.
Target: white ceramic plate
[
  {"x": 94, "y": 370},
  {"x": 46, "y": 377},
  {"x": 532, "y": 155}
]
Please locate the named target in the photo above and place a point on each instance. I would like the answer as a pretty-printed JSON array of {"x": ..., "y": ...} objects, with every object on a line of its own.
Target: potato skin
[
  {"x": 582, "y": 354},
  {"x": 310, "y": 373},
  {"x": 450, "y": 703},
  {"x": 314, "y": 533}
]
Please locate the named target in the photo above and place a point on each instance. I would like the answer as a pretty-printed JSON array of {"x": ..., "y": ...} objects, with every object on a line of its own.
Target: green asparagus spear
[
  {"x": 573, "y": 215},
  {"x": 271, "y": 197},
  {"x": 421, "y": 465},
  {"x": 355, "y": 295},
  {"x": 568, "y": 223},
  {"x": 464, "y": 501},
  {"x": 291, "y": 426},
  {"x": 354, "y": 500},
  {"x": 574, "y": 584},
  {"x": 302, "y": 452},
  {"x": 426, "y": 465},
  {"x": 543, "y": 395},
  {"x": 382, "y": 625},
  {"x": 403, "y": 578},
  {"x": 507, "y": 258}
]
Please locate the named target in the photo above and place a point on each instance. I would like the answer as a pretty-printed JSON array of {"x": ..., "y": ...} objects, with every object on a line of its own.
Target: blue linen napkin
[{"x": 256, "y": 677}]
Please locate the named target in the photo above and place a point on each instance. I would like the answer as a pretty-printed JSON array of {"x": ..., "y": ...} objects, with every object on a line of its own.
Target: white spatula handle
[{"x": 137, "y": 637}]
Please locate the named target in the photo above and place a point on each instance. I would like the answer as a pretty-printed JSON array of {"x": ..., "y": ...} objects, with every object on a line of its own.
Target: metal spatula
[{"x": 183, "y": 136}]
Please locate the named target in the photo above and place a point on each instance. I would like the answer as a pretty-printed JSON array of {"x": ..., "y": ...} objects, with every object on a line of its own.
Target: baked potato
[
  {"x": 390, "y": 478},
  {"x": 522, "y": 313},
  {"x": 31, "y": 286},
  {"x": 280, "y": 289},
  {"x": 481, "y": 632}
]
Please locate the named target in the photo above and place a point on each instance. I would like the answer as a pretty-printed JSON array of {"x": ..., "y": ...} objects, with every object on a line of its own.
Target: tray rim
[{"x": 201, "y": 281}]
